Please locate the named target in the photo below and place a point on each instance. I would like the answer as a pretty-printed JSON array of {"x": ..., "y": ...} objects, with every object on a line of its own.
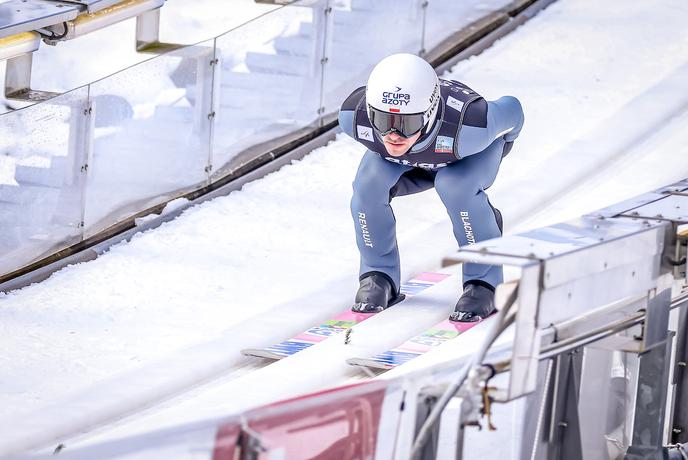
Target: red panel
[
  {"x": 226, "y": 441},
  {"x": 323, "y": 426}
]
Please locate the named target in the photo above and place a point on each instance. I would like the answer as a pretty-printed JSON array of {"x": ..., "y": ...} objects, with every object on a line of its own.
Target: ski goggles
[{"x": 405, "y": 125}]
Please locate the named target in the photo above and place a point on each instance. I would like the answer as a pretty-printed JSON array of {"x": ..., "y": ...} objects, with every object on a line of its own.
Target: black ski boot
[
  {"x": 375, "y": 294},
  {"x": 477, "y": 302}
]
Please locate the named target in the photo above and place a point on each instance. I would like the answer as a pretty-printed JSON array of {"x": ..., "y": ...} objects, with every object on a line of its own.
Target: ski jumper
[{"x": 459, "y": 155}]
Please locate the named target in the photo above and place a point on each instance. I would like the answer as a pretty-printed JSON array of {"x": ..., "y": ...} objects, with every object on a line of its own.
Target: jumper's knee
[
  {"x": 369, "y": 190},
  {"x": 368, "y": 197},
  {"x": 457, "y": 184}
]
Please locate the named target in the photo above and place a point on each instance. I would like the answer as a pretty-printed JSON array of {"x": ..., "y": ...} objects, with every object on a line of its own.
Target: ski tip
[
  {"x": 260, "y": 353},
  {"x": 369, "y": 363}
]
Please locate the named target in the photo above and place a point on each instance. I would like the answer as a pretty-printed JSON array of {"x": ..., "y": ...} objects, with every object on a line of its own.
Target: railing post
[
  {"x": 323, "y": 23},
  {"x": 147, "y": 28},
  {"x": 148, "y": 34},
  {"x": 207, "y": 91},
  {"x": 527, "y": 338},
  {"x": 18, "y": 80},
  {"x": 424, "y": 17},
  {"x": 81, "y": 138}
]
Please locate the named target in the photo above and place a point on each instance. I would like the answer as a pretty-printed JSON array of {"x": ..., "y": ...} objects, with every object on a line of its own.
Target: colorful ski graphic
[
  {"x": 415, "y": 346},
  {"x": 338, "y": 324}
]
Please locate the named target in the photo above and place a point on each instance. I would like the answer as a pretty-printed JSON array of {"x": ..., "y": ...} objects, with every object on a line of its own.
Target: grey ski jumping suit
[{"x": 459, "y": 156}]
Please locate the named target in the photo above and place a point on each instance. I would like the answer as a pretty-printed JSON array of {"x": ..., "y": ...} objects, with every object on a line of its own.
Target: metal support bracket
[
  {"x": 148, "y": 34},
  {"x": 426, "y": 402},
  {"x": 527, "y": 337},
  {"x": 18, "y": 81},
  {"x": 564, "y": 428},
  {"x": 679, "y": 429},
  {"x": 653, "y": 381}
]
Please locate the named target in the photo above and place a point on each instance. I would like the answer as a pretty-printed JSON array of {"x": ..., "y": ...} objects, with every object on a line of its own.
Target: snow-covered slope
[{"x": 604, "y": 76}]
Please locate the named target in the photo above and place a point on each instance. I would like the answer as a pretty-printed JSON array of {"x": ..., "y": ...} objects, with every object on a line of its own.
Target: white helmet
[{"x": 402, "y": 95}]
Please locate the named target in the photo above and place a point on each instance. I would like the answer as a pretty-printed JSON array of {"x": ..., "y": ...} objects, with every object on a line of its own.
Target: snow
[{"x": 285, "y": 244}]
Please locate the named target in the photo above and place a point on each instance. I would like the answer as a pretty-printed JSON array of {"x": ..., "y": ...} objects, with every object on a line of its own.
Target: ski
[
  {"x": 431, "y": 338},
  {"x": 339, "y": 323},
  {"x": 415, "y": 346}
]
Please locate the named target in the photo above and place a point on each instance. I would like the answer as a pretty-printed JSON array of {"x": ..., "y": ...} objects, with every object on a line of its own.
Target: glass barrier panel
[
  {"x": 269, "y": 82},
  {"x": 361, "y": 34},
  {"x": 151, "y": 134},
  {"x": 445, "y": 17},
  {"x": 606, "y": 402},
  {"x": 41, "y": 179}
]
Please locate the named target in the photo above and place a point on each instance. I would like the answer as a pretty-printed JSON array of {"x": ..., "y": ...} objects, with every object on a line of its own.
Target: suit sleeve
[
  {"x": 348, "y": 110},
  {"x": 346, "y": 122},
  {"x": 504, "y": 119}
]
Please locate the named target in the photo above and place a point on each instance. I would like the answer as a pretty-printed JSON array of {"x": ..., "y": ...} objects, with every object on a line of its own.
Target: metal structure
[
  {"x": 24, "y": 22},
  {"x": 594, "y": 306},
  {"x": 600, "y": 336}
]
